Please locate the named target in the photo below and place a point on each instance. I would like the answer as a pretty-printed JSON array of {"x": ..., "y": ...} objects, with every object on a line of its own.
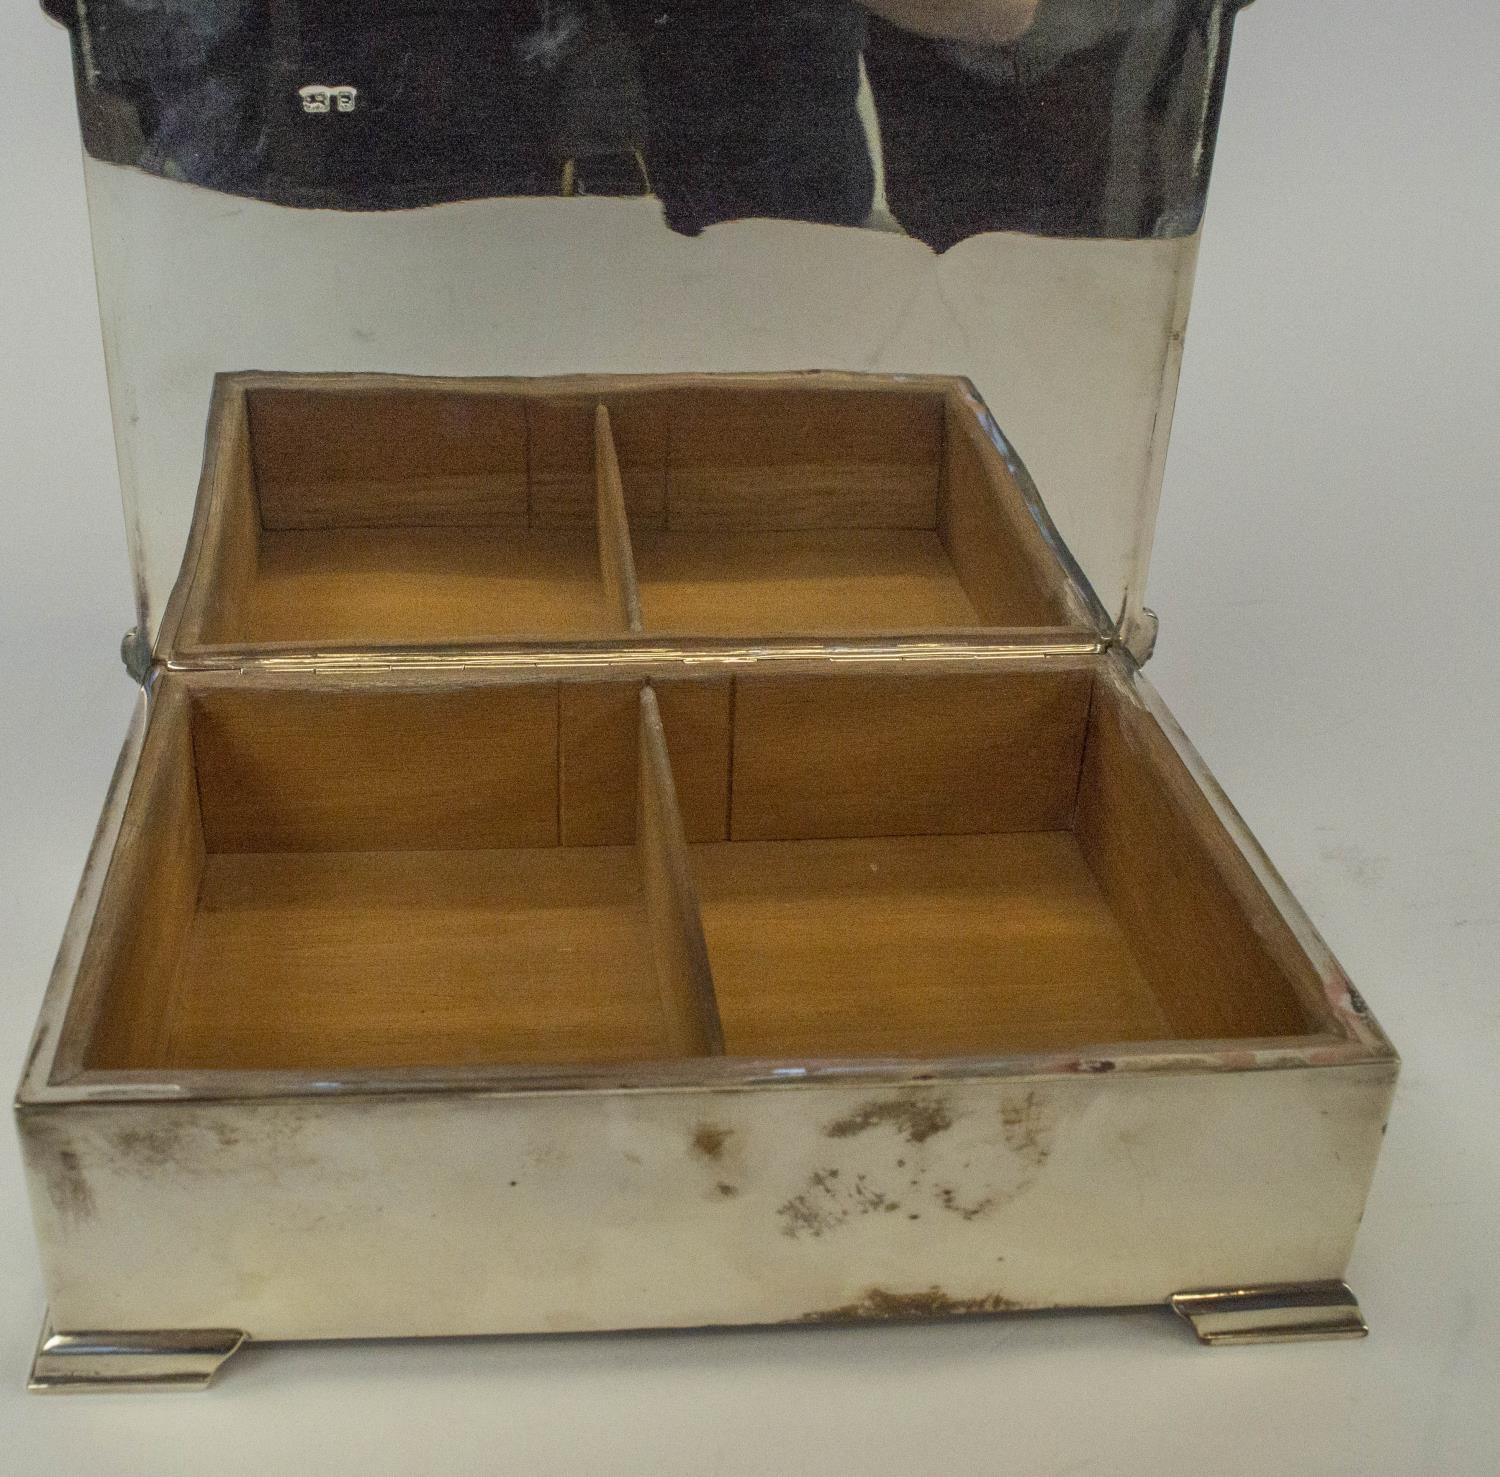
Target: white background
[{"x": 1326, "y": 581}]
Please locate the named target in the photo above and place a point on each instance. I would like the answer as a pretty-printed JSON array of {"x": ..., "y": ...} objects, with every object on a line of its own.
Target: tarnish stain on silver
[
  {"x": 190, "y": 1144},
  {"x": 60, "y": 1170},
  {"x": 905, "y": 1164},
  {"x": 916, "y": 1118},
  {"x": 1027, "y": 1127},
  {"x": 829, "y": 1201},
  {"x": 880, "y": 1305}
]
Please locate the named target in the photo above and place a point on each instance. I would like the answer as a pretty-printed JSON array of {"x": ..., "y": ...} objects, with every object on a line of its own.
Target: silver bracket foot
[
  {"x": 1276, "y": 1313},
  {"x": 179, "y": 1359}
]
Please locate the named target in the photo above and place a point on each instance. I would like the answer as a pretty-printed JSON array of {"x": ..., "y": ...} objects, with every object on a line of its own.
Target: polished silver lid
[{"x": 1005, "y": 189}]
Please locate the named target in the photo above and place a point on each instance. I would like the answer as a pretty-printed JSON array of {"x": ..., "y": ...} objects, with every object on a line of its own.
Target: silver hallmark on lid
[{"x": 318, "y": 97}]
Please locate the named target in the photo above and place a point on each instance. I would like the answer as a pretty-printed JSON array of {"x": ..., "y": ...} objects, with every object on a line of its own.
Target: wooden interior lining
[
  {"x": 715, "y": 582},
  {"x": 900, "y": 877},
  {"x": 984, "y": 883},
  {"x": 916, "y": 946},
  {"x": 229, "y": 550},
  {"x": 403, "y": 514},
  {"x": 486, "y": 765},
  {"x": 560, "y": 430},
  {"x": 367, "y": 770},
  {"x": 682, "y": 967},
  {"x": 1005, "y": 568},
  {"x": 146, "y": 906},
  {"x": 1220, "y": 958},
  {"x": 990, "y": 539},
  {"x": 389, "y": 456},
  {"x": 321, "y": 961},
  {"x": 361, "y": 513},
  {"x": 355, "y": 905},
  {"x": 616, "y": 561},
  {"x": 420, "y": 586},
  {"x": 812, "y": 511},
  {"x": 903, "y": 755},
  {"x": 467, "y": 454},
  {"x": 803, "y": 456},
  {"x": 897, "y": 864}
]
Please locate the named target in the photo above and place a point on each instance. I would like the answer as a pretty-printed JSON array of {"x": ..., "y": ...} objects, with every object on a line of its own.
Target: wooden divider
[
  {"x": 616, "y": 561},
  {"x": 677, "y": 941}
]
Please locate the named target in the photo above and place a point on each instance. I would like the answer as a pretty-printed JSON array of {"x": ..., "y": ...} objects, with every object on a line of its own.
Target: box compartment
[
  {"x": 807, "y": 511},
  {"x": 367, "y": 511},
  {"x": 773, "y": 867},
  {"x": 391, "y": 879},
  {"x": 393, "y": 515},
  {"x": 968, "y": 865}
]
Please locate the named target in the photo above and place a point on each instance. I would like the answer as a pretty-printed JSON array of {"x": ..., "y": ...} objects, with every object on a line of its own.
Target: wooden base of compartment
[
  {"x": 782, "y": 583},
  {"x": 417, "y": 959},
  {"x": 926, "y": 946},
  {"x": 384, "y": 586}
]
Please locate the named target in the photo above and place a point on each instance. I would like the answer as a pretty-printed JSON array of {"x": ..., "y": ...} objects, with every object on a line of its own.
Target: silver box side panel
[{"x": 430, "y": 1215}]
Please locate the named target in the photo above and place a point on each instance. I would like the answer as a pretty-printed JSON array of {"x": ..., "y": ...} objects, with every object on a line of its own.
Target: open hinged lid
[{"x": 540, "y": 187}]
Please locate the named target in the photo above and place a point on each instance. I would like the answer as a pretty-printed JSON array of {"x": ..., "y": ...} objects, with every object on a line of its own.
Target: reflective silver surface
[
  {"x": 1276, "y": 1314},
  {"x": 1064, "y": 117},
  {"x": 110, "y": 1363},
  {"x": 581, "y": 186}
]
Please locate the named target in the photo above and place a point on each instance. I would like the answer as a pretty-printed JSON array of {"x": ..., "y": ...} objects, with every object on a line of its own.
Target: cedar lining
[
  {"x": 358, "y": 511},
  {"x": 319, "y": 876},
  {"x": 449, "y": 869}
]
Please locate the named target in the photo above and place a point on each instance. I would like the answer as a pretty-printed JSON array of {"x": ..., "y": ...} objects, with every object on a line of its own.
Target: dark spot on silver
[
  {"x": 67, "y": 1187},
  {"x": 1027, "y": 1128},
  {"x": 709, "y": 1140},
  {"x": 918, "y": 1118},
  {"x": 877, "y": 1304}
]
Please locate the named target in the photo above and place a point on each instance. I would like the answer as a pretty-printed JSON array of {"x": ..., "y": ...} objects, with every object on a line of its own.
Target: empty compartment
[
  {"x": 347, "y": 511},
  {"x": 322, "y": 879},
  {"x": 807, "y": 505},
  {"x": 956, "y": 865},
  {"x": 369, "y": 511}
]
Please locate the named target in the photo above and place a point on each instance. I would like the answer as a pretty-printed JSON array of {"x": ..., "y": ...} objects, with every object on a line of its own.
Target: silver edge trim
[
  {"x": 700, "y": 1074},
  {"x": 640, "y": 656}
]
